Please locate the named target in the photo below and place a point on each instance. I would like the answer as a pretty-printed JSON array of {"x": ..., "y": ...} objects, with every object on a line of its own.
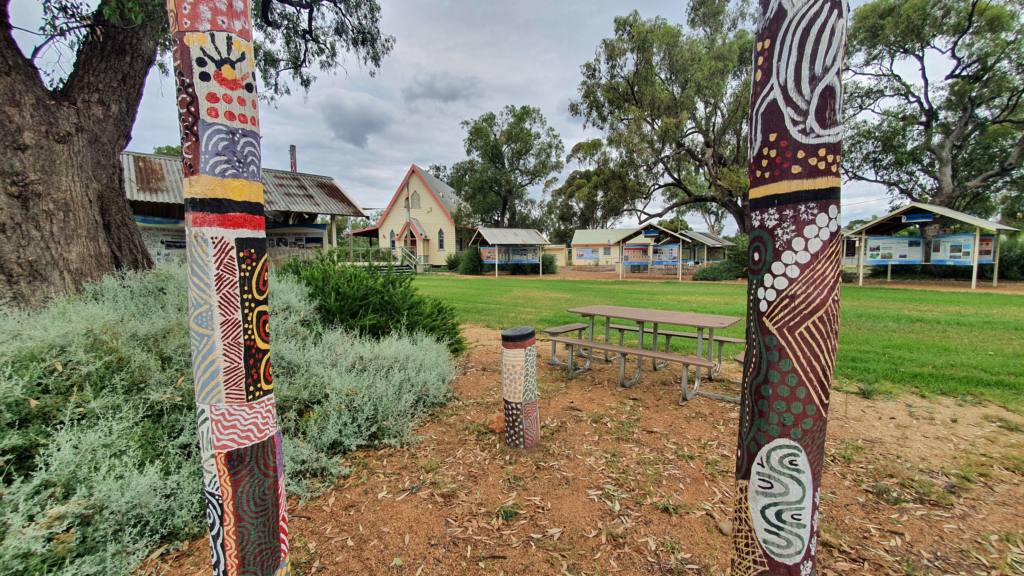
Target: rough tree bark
[
  {"x": 228, "y": 268},
  {"x": 793, "y": 291},
  {"x": 64, "y": 219}
]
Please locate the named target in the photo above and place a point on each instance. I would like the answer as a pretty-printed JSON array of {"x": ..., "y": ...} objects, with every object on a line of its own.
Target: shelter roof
[
  {"x": 894, "y": 221},
  {"x": 708, "y": 239},
  {"x": 594, "y": 237},
  {"x": 152, "y": 178},
  {"x": 510, "y": 237}
]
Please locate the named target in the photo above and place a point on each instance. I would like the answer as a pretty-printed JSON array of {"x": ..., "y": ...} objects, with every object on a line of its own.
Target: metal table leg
[
  {"x": 623, "y": 384},
  {"x": 700, "y": 350},
  {"x": 654, "y": 346},
  {"x": 711, "y": 353},
  {"x": 668, "y": 349}
]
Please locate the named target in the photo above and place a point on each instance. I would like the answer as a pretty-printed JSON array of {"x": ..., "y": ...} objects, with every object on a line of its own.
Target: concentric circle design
[
  {"x": 260, "y": 280},
  {"x": 759, "y": 257},
  {"x": 261, "y": 327}
]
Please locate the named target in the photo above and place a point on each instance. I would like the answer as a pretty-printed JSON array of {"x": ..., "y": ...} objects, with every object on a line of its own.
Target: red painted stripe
[
  {"x": 518, "y": 345},
  {"x": 226, "y": 221}
]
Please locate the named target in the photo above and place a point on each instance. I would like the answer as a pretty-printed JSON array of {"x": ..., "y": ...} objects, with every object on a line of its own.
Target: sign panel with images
[
  {"x": 487, "y": 253},
  {"x": 956, "y": 249},
  {"x": 666, "y": 255},
  {"x": 586, "y": 253},
  {"x": 895, "y": 250},
  {"x": 296, "y": 237},
  {"x": 713, "y": 254},
  {"x": 526, "y": 254},
  {"x": 163, "y": 237},
  {"x": 633, "y": 254}
]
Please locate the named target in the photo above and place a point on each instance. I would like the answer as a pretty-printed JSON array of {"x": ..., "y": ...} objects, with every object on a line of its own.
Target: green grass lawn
[{"x": 952, "y": 343}]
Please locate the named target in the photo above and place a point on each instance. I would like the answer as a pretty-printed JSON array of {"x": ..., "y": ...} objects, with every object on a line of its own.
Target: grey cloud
[
  {"x": 353, "y": 117},
  {"x": 442, "y": 87}
]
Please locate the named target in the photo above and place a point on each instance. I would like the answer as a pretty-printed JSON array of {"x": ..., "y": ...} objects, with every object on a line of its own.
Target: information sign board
[
  {"x": 296, "y": 236},
  {"x": 525, "y": 254},
  {"x": 895, "y": 250},
  {"x": 956, "y": 249},
  {"x": 488, "y": 254},
  {"x": 666, "y": 255},
  {"x": 163, "y": 237},
  {"x": 633, "y": 254},
  {"x": 586, "y": 253}
]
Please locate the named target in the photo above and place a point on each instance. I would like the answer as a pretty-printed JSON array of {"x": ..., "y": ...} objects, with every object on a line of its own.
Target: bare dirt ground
[{"x": 633, "y": 483}]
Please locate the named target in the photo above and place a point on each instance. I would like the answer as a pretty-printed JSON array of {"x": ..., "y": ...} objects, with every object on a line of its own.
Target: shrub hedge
[
  {"x": 374, "y": 301},
  {"x": 97, "y": 419}
]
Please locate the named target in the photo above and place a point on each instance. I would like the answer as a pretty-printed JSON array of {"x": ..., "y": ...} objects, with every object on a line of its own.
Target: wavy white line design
[
  {"x": 807, "y": 66},
  {"x": 228, "y": 152},
  {"x": 238, "y": 425},
  {"x": 780, "y": 500}
]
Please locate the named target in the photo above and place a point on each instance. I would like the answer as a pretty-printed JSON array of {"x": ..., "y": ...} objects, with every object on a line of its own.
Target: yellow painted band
[
  {"x": 795, "y": 186},
  {"x": 203, "y": 186}
]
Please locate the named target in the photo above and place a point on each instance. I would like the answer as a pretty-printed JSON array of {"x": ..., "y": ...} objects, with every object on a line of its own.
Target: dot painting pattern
[
  {"x": 240, "y": 445},
  {"x": 519, "y": 389},
  {"x": 793, "y": 282}
]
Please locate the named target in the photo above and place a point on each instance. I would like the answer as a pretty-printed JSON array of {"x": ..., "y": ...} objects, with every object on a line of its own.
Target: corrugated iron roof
[
  {"x": 152, "y": 178},
  {"x": 511, "y": 236},
  {"x": 445, "y": 194},
  {"x": 893, "y": 221},
  {"x": 592, "y": 237},
  {"x": 708, "y": 239}
]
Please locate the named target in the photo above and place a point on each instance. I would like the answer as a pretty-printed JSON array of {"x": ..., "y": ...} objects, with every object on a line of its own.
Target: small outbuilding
[
  {"x": 293, "y": 202},
  {"x": 877, "y": 245},
  {"x": 509, "y": 246}
]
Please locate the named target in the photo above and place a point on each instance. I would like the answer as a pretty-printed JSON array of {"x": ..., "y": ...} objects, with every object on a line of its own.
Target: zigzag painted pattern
[
  {"x": 238, "y": 425},
  {"x": 230, "y": 317},
  {"x": 808, "y": 325},
  {"x": 202, "y": 330}
]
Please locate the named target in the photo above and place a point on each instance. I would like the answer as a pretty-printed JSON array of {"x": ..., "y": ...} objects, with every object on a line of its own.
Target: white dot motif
[{"x": 820, "y": 227}]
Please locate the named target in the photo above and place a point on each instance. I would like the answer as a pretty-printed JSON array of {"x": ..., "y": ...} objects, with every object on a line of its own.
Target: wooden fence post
[
  {"x": 240, "y": 445},
  {"x": 794, "y": 276}
]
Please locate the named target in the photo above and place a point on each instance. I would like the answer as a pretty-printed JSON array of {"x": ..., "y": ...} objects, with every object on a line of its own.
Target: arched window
[
  {"x": 440, "y": 239},
  {"x": 392, "y": 239},
  {"x": 415, "y": 199}
]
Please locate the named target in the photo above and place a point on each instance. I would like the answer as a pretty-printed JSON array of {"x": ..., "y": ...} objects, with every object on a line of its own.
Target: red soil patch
[{"x": 632, "y": 482}]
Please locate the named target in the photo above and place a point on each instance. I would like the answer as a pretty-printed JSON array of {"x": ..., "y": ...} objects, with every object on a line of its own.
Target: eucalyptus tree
[
  {"x": 673, "y": 100},
  {"x": 934, "y": 98},
  {"x": 64, "y": 219}
]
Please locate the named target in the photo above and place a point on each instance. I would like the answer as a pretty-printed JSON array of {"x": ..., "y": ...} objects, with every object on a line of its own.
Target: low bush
[
  {"x": 98, "y": 440},
  {"x": 722, "y": 271},
  {"x": 472, "y": 263},
  {"x": 452, "y": 261},
  {"x": 549, "y": 262},
  {"x": 374, "y": 301}
]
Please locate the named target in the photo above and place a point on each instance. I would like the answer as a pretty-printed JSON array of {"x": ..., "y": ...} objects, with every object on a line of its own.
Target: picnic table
[{"x": 656, "y": 318}]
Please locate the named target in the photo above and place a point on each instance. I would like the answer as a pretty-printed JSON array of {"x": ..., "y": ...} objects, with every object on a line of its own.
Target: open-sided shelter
[
  {"x": 671, "y": 248},
  {"x": 509, "y": 246},
  {"x": 878, "y": 246},
  {"x": 293, "y": 202}
]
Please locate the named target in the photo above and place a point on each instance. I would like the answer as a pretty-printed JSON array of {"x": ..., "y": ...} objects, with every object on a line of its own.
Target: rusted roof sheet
[{"x": 151, "y": 178}]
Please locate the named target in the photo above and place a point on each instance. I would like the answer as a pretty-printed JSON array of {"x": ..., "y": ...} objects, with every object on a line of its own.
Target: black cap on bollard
[{"x": 518, "y": 334}]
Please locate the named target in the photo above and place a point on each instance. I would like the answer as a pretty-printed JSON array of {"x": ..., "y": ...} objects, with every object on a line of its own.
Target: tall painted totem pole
[
  {"x": 243, "y": 474},
  {"x": 794, "y": 275}
]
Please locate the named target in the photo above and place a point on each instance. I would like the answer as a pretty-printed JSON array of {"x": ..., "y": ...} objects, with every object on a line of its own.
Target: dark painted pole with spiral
[
  {"x": 240, "y": 445},
  {"x": 794, "y": 276}
]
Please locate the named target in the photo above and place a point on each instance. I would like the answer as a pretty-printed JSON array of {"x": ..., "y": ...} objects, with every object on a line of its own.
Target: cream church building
[{"x": 419, "y": 219}]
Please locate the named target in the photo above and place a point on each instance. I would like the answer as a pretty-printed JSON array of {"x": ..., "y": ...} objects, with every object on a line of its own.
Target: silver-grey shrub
[{"x": 97, "y": 422}]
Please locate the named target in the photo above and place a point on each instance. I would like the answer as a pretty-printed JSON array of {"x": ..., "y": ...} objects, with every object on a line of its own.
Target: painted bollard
[{"x": 519, "y": 387}]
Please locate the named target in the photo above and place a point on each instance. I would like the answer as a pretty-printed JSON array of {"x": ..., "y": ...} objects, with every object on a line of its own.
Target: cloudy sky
[{"x": 453, "y": 60}]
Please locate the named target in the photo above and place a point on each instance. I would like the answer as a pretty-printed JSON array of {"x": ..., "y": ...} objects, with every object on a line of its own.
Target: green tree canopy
[
  {"x": 934, "y": 101},
  {"x": 168, "y": 150},
  {"x": 673, "y": 101},
  {"x": 509, "y": 152}
]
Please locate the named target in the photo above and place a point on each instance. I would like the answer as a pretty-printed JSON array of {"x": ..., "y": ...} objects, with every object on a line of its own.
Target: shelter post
[
  {"x": 995, "y": 262},
  {"x": 679, "y": 261},
  {"x": 888, "y": 273},
  {"x": 622, "y": 254},
  {"x": 540, "y": 258},
  {"x": 860, "y": 260},
  {"x": 974, "y": 258},
  {"x": 334, "y": 233},
  {"x": 497, "y": 258}
]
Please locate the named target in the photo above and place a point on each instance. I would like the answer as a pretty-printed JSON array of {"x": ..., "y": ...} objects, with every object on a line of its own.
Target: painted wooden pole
[
  {"x": 519, "y": 387},
  {"x": 794, "y": 276},
  {"x": 240, "y": 445}
]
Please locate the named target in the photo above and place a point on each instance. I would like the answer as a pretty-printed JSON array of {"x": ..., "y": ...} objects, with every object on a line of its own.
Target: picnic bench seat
[
  {"x": 578, "y": 328},
  {"x": 669, "y": 334},
  {"x": 655, "y": 355}
]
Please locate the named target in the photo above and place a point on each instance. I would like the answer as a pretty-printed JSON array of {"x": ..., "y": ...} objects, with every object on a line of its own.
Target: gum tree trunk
[
  {"x": 64, "y": 219},
  {"x": 794, "y": 276},
  {"x": 243, "y": 474}
]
